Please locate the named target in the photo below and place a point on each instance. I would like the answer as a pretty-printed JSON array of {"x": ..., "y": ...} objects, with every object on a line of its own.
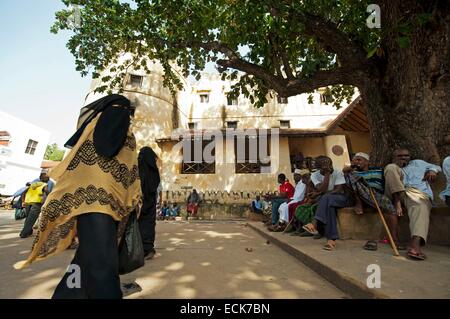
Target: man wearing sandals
[
  {"x": 331, "y": 183},
  {"x": 361, "y": 178},
  {"x": 408, "y": 183}
]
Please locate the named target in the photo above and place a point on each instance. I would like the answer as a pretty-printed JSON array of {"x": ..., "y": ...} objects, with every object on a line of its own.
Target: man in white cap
[
  {"x": 299, "y": 195},
  {"x": 360, "y": 178}
]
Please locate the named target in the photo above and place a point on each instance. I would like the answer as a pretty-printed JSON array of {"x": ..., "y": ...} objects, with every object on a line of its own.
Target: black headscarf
[
  {"x": 112, "y": 127},
  {"x": 148, "y": 172}
]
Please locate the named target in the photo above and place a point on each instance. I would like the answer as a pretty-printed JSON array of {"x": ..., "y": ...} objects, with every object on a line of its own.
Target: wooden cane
[
  {"x": 394, "y": 247},
  {"x": 292, "y": 219}
]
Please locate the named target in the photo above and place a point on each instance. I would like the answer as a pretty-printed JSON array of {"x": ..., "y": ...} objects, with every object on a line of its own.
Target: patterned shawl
[{"x": 86, "y": 182}]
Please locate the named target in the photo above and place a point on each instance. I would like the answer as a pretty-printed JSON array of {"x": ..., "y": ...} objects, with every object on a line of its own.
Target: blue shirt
[
  {"x": 175, "y": 211},
  {"x": 446, "y": 168},
  {"x": 258, "y": 204},
  {"x": 414, "y": 173}
]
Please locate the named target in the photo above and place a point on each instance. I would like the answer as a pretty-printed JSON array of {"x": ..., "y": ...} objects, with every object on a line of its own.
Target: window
[
  {"x": 192, "y": 125},
  {"x": 232, "y": 124},
  {"x": 285, "y": 124},
  {"x": 232, "y": 101},
  {"x": 326, "y": 98},
  {"x": 31, "y": 147},
  {"x": 282, "y": 100},
  {"x": 249, "y": 155},
  {"x": 135, "y": 80},
  {"x": 204, "y": 98},
  {"x": 199, "y": 157}
]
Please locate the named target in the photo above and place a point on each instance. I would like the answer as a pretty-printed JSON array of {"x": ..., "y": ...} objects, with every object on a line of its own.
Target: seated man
[
  {"x": 361, "y": 180},
  {"x": 165, "y": 210},
  {"x": 175, "y": 211},
  {"x": 192, "y": 203},
  {"x": 408, "y": 182},
  {"x": 286, "y": 191},
  {"x": 330, "y": 183},
  {"x": 257, "y": 205},
  {"x": 304, "y": 213},
  {"x": 445, "y": 195},
  {"x": 287, "y": 209}
]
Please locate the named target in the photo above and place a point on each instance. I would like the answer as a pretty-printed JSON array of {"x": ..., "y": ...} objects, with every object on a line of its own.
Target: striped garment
[{"x": 374, "y": 177}]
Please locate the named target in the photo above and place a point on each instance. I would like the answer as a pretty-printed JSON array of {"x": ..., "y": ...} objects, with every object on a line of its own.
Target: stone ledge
[{"x": 369, "y": 226}]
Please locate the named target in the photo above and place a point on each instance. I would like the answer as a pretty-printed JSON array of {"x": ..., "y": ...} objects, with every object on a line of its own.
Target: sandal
[
  {"x": 329, "y": 246},
  {"x": 416, "y": 255},
  {"x": 371, "y": 245},
  {"x": 309, "y": 230}
]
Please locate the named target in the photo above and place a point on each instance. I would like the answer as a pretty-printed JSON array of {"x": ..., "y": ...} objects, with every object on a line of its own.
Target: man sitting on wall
[
  {"x": 257, "y": 205},
  {"x": 330, "y": 183},
  {"x": 287, "y": 209},
  {"x": 361, "y": 180},
  {"x": 285, "y": 192},
  {"x": 175, "y": 210},
  {"x": 408, "y": 183}
]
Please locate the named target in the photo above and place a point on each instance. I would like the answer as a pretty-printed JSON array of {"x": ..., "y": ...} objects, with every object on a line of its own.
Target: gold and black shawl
[{"x": 86, "y": 182}]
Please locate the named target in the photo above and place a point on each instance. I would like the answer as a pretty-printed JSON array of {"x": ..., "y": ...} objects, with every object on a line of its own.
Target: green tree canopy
[{"x": 52, "y": 153}]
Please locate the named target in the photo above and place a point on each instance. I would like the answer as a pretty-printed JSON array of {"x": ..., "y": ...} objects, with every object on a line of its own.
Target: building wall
[
  {"x": 308, "y": 146},
  {"x": 17, "y": 167},
  {"x": 339, "y": 161},
  {"x": 359, "y": 141},
  {"x": 213, "y": 114},
  {"x": 224, "y": 178}
]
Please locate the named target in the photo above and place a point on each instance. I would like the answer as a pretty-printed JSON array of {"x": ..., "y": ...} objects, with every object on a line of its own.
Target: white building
[{"x": 22, "y": 149}]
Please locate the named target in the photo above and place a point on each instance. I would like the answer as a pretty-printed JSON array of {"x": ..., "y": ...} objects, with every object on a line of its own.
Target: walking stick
[
  {"x": 384, "y": 223},
  {"x": 292, "y": 219}
]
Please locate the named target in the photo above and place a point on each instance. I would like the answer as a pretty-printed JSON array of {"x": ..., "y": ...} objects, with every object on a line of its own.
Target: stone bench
[{"x": 369, "y": 226}]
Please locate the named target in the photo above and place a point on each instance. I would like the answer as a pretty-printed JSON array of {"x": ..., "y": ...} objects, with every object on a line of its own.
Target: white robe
[{"x": 299, "y": 195}]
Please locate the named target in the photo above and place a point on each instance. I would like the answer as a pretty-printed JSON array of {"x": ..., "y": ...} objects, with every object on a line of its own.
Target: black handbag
[
  {"x": 131, "y": 249},
  {"x": 20, "y": 213}
]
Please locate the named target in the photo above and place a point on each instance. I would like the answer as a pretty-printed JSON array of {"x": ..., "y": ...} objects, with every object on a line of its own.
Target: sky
[{"x": 38, "y": 81}]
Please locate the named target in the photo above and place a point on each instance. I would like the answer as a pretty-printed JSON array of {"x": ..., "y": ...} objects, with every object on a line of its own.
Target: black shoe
[{"x": 130, "y": 288}]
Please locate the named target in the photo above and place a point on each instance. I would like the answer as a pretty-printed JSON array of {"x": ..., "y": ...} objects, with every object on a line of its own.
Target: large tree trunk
[{"x": 408, "y": 101}]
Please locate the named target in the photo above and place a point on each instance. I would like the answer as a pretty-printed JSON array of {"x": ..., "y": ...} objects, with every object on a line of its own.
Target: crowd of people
[{"x": 310, "y": 208}]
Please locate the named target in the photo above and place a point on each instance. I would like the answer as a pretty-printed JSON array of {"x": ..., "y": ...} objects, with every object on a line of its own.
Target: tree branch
[
  {"x": 284, "y": 87},
  {"x": 332, "y": 39}
]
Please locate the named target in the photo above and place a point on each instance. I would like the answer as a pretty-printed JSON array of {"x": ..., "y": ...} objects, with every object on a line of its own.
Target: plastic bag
[{"x": 131, "y": 249}]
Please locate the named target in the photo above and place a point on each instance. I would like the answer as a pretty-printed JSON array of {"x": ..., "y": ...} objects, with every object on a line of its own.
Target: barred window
[
  {"x": 194, "y": 161},
  {"x": 31, "y": 147},
  {"x": 252, "y": 155}
]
